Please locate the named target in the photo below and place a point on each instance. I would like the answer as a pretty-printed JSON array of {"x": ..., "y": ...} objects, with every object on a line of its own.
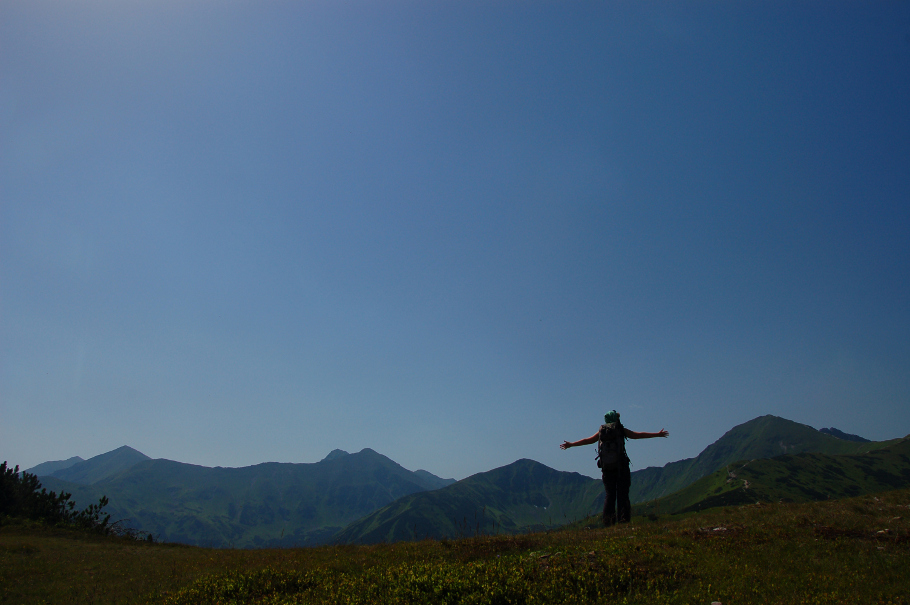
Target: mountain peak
[
  {"x": 767, "y": 436},
  {"x": 125, "y": 449},
  {"x": 102, "y": 466},
  {"x": 335, "y": 454}
]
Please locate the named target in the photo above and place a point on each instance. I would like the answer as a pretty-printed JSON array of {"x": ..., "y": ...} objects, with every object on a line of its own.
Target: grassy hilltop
[{"x": 845, "y": 551}]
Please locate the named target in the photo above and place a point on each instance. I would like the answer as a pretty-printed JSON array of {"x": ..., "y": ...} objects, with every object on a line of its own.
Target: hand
[
  {"x": 663, "y": 433},
  {"x": 565, "y": 445}
]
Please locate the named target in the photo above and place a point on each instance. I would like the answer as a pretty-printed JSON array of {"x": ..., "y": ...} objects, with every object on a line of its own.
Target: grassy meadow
[{"x": 838, "y": 551}]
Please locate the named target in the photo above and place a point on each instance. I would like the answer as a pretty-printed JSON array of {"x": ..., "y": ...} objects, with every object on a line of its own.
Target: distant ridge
[
  {"x": 842, "y": 435},
  {"x": 432, "y": 479},
  {"x": 101, "y": 467},
  {"x": 47, "y": 468}
]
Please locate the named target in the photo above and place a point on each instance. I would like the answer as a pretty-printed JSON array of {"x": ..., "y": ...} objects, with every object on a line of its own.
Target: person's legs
[
  {"x": 609, "y": 513},
  {"x": 623, "y": 483}
]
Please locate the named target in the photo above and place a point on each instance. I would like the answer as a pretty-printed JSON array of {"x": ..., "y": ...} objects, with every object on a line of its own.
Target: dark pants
[{"x": 616, "y": 484}]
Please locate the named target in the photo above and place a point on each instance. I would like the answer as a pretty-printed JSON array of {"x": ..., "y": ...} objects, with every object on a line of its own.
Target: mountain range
[
  {"x": 366, "y": 497},
  {"x": 270, "y": 504},
  {"x": 432, "y": 513}
]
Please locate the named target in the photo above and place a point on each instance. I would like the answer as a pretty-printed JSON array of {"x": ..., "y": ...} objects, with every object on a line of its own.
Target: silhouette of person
[{"x": 616, "y": 480}]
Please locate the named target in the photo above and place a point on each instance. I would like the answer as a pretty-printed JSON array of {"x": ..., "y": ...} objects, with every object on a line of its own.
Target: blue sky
[{"x": 454, "y": 232}]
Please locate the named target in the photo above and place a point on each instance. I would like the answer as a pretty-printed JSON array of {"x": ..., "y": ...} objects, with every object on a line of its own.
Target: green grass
[{"x": 846, "y": 551}]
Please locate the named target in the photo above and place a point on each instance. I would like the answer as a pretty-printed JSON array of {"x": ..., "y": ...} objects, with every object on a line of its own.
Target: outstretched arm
[
  {"x": 586, "y": 441},
  {"x": 634, "y": 435}
]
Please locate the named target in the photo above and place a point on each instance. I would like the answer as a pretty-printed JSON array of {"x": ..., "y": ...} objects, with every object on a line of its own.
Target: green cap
[{"x": 611, "y": 417}]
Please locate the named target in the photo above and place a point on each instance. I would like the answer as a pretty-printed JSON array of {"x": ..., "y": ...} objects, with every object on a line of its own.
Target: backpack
[{"x": 611, "y": 447}]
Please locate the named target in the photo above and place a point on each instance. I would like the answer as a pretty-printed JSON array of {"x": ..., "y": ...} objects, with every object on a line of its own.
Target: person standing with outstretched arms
[{"x": 614, "y": 464}]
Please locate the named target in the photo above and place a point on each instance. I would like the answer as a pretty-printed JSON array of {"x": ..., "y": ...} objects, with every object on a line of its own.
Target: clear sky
[{"x": 454, "y": 232}]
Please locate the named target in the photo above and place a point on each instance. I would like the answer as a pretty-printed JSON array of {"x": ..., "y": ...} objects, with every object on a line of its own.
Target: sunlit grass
[{"x": 855, "y": 550}]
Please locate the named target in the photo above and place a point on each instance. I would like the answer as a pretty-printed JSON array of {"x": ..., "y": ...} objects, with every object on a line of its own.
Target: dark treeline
[{"x": 22, "y": 497}]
